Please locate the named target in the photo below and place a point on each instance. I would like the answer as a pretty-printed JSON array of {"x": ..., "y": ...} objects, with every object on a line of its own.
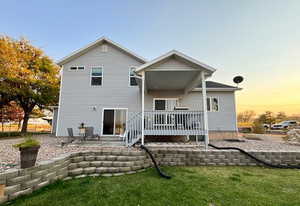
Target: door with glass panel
[
  {"x": 163, "y": 108},
  {"x": 114, "y": 121}
]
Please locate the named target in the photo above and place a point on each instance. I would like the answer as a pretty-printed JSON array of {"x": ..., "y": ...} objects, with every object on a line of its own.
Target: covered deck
[{"x": 176, "y": 73}]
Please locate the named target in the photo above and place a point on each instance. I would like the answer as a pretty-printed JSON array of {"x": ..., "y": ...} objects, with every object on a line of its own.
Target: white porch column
[
  {"x": 204, "y": 110},
  {"x": 143, "y": 106}
]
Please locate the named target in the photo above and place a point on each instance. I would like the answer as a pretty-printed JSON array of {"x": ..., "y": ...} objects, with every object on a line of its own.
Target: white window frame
[
  {"x": 211, "y": 104},
  {"x": 91, "y": 71},
  {"x": 76, "y": 68},
  {"x": 129, "y": 77}
]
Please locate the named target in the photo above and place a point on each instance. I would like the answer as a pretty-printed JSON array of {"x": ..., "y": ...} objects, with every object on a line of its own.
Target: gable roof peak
[
  {"x": 102, "y": 39},
  {"x": 181, "y": 55}
]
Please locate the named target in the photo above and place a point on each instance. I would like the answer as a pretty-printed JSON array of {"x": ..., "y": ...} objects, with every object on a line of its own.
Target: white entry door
[
  {"x": 160, "y": 104},
  {"x": 164, "y": 104}
]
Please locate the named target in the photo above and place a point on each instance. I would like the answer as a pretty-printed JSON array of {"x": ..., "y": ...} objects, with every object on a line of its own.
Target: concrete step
[
  {"x": 108, "y": 171},
  {"x": 115, "y": 163},
  {"x": 112, "y": 139},
  {"x": 112, "y": 143}
]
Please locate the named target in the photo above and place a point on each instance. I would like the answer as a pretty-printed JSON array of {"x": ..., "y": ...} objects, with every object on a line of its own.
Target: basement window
[{"x": 96, "y": 76}]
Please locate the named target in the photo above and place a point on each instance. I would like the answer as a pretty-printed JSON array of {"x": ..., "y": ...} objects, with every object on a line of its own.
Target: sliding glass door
[{"x": 114, "y": 121}]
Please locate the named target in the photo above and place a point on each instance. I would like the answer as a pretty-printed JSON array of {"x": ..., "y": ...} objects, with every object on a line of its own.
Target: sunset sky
[{"x": 258, "y": 39}]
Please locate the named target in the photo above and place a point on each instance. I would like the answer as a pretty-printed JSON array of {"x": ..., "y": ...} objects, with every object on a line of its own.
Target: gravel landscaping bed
[
  {"x": 260, "y": 145},
  {"x": 50, "y": 148}
]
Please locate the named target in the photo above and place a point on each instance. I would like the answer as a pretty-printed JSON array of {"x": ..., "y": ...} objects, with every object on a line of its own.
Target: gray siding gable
[{"x": 78, "y": 97}]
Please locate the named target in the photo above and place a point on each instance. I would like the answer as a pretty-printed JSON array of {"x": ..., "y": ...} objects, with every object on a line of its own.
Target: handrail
[
  {"x": 133, "y": 129},
  {"x": 174, "y": 122},
  {"x": 163, "y": 123}
]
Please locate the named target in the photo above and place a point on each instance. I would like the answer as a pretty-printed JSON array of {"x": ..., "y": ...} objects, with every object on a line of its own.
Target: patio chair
[
  {"x": 89, "y": 134},
  {"x": 70, "y": 137}
]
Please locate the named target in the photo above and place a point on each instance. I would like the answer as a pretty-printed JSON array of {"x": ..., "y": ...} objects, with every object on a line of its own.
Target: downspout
[{"x": 206, "y": 136}]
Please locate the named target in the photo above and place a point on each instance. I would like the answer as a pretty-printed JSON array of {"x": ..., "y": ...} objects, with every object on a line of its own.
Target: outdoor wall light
[{"x": 92, "y": 108}]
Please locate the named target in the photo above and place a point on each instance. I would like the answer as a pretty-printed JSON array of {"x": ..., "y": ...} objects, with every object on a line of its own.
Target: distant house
[{"x": 119, "y": 93}]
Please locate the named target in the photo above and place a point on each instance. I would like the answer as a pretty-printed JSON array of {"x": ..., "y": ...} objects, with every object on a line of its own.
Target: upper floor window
[
  {"x": 73, "y": 68},
  {"x": 96, "y": 76},
  {"x": 212, "y": 104},
  {"x": 132, "y": 80}
]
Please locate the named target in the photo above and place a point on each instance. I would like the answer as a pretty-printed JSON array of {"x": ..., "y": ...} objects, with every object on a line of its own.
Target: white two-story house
[{"x": 119, "y": 93}]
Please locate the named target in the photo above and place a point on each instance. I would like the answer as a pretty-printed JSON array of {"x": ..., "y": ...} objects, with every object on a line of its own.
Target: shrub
[
  {"x": 28, "y": 142},
  {"x": 257, "y": 127}
]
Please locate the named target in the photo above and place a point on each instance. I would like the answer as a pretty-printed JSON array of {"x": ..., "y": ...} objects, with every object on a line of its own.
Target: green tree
[
  {"x": 257, "y": 127},
  {"x": 28, "y": 76},
  {"x": 267, "y": 118}
]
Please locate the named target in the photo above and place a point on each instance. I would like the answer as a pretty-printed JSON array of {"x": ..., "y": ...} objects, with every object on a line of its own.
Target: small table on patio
[{"x": 82, "y": 133}]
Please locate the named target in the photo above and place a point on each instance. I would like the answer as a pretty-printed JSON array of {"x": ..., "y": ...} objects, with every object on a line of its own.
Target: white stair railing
[{"x": 133, "y": 129}]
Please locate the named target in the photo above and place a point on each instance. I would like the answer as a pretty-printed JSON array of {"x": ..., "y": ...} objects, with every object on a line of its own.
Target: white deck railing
[
  {"x": 174, "y": 123},
  {"x": 163, "y": 123}
]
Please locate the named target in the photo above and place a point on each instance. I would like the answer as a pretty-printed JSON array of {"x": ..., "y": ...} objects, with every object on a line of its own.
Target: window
[
  {"x": 132, "y": 80},
  {"x": 212, "y": 104},
  {"x": 73, "y": 68},
  {"x": 96, "y": 76},
  {"x": 208, "y": 104}
]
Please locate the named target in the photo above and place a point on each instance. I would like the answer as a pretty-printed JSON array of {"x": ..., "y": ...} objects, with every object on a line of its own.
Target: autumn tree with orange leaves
[{"x": 27, "y": 76}]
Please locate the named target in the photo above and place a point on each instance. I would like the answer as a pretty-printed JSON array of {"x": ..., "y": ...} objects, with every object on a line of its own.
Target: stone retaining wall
[
  {"x": 23, "y": 181},
  {"x": 194, "y": 157},
  {"x": 19, "y": 182}
]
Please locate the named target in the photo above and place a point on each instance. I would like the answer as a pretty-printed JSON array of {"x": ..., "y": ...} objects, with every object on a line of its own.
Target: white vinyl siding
[{"x": 78, "y": 97}]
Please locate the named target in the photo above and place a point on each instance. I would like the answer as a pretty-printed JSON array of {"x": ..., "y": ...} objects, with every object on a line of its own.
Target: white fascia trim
[
  {"x": 174, "y": 52},
  {"x": 82, "y": 50},
  {"x": 217, "y": 89}
]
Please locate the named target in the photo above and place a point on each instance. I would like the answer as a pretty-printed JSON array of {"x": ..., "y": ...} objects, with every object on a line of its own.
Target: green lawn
[{"x": 195, "y": 186}]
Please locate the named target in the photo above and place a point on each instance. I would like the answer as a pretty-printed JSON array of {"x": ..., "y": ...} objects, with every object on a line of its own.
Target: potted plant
[{"x": 28, "y": 151}]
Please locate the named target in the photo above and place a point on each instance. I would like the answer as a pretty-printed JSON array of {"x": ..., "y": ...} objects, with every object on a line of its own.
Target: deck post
[
  {"x": 143, "y": 106},
  {"x": 206, "y": 137}
]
